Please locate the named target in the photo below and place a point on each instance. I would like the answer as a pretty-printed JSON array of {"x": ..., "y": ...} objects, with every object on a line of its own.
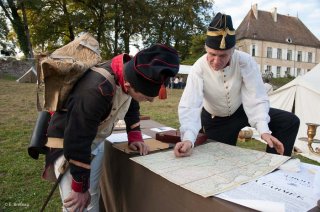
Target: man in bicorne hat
[
  {"x": 104, "y": 95},
  {"x": 225, "y": 92}
]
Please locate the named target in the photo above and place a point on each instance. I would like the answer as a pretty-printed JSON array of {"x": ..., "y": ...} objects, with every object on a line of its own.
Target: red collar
[{"x": 117, "y": 66}]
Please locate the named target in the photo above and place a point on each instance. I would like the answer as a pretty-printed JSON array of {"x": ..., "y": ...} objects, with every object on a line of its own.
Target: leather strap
[{"x": 55, "y": 143}]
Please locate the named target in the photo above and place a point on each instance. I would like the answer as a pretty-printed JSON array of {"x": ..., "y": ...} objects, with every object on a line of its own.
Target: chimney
[
  {"x": 255, "y": 10},
  {"x": 274, "y": 14}
]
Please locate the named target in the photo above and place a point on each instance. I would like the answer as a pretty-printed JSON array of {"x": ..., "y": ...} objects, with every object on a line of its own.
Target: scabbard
[{"x": 39, "y": 135}]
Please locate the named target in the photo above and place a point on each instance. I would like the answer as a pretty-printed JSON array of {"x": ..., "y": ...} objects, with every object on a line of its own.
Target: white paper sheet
[
  {"x": 296, "y": 190},
  {"x": 162, "y": 129},
  {"x": 260, "y": 205},
  {"x": 122, "y": 137}
]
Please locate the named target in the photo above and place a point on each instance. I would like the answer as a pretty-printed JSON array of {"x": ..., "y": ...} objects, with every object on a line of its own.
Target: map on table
[{"x": 212, "y": 168}]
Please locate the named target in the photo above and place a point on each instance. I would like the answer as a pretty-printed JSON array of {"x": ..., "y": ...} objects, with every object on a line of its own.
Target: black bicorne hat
[
  {"x": 220, "y": 33},
  {"x": 151, "y": 67}
]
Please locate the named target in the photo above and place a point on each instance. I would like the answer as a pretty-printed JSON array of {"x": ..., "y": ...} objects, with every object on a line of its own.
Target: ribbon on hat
[{"x": 224, "y": 33}]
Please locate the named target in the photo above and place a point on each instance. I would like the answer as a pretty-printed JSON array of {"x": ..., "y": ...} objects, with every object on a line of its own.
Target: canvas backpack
[
  {"x": 58, "y": 72},
  {"x": 57, "y": 75}
]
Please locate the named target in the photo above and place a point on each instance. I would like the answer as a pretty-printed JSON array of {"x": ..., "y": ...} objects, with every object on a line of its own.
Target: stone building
[{"x": 281, "y": 44}]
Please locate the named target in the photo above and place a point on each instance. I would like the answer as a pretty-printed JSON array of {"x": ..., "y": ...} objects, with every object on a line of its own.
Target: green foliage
[
  {"x": 278, "y": 82},
  {"x": 175, "y": 22},
  {"x": 196, "y": 50},
  {"x": 11, "y": 11},
  {"x": 4, "y": 30},
  {"x": 114, "y": 23}
]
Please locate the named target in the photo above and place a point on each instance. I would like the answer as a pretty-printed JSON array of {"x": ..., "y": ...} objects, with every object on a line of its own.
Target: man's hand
[
  {"x": 273, "y": 142},
  {"x": 183, "y": 149},
  {"x": 141, "y": 146},
  {"x": 77, "y": 201}
]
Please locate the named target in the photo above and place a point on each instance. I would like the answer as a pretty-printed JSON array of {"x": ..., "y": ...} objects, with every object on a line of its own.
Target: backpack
[{"x": 58, "y": 72}]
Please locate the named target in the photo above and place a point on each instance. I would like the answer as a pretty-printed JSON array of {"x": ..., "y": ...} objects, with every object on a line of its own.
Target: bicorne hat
[{"x": 220, "y": 33}]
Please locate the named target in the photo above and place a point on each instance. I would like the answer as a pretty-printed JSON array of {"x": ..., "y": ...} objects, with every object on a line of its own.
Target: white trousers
[{"x": 95, "y": 172}]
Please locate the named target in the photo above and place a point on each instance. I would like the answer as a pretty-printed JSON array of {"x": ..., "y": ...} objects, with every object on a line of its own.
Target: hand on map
[
  {"x": 141, "y": 146},
  {"x": 183, "y": 149},
  {"x": 273, "y": 142}
]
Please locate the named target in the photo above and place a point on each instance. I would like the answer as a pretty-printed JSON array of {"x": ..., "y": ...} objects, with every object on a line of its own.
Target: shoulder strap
[{"x": 106, "y": 74}]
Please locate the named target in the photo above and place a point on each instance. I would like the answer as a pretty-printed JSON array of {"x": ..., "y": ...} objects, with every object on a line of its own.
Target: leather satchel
[{"x": 174, "y": 136}]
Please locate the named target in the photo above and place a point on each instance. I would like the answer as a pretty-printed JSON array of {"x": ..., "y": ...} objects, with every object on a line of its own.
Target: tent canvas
[
  {"x": 184, "y": 69},
  {"x": 301, "y": 95},
  {"x": 29, "y": 76}
]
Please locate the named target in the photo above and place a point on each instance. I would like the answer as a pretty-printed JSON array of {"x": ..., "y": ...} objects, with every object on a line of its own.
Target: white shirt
[
  {"x": 222, "y": 92},
  {"x": 268, "y": 88}
]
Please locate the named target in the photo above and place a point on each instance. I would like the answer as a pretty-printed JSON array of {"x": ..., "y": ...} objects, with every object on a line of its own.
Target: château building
[{"x": 281, "y": 44}]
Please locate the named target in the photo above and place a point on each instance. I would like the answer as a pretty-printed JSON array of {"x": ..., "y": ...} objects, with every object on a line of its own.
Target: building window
[
  {"x": 289, "y": 55},
  {"x": 278, "y": 71},
  {"x": 309, "y": 57},
  {"x": 269, "y": 52},
  {"x": 268, "y": 73},
  {"x": 279, "y": 53},
  {"x": 298, "y": 71},
  {"x": 288, "y": 74},
  {"x": 289, "y": 40},
  {"x": 299, "y": 57},
  {"x": 253, "y": 50},
  {"x": 269, "y": 68}
]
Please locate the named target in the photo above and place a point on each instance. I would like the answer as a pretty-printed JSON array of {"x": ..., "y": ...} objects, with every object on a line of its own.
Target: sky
[{"x": 308, "y": 11}]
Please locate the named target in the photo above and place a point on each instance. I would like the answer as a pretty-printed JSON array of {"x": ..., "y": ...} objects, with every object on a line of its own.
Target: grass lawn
[{"x": 21, "y": 187}]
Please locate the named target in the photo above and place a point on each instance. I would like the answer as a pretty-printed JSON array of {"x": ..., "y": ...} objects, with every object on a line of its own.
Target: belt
[
  {"x": 55, "y": 143},
  {"x": 58, "y": 143}
]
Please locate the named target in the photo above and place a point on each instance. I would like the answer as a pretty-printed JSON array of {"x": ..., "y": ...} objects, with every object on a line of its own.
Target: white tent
[
  {"x": 303, "y": 96},
  {"x": 184, "y": 69},
  {"x": 29, "y": 76}
]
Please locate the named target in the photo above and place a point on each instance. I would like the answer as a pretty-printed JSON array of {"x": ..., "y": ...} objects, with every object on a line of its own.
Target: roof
[{"x": 287, "y": 27}]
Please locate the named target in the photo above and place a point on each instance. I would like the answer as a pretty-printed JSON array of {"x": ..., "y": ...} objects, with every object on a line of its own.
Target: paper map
[{"x": 212, "y": 168}]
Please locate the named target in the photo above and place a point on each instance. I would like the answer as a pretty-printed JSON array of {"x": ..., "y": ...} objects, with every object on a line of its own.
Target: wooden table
[{"x": 129, "y": 187}]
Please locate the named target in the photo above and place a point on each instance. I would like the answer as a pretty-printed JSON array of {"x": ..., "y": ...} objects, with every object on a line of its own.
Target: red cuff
[
  {"x": 80, "y": 186},
  {"x": 134, "y": 136}
]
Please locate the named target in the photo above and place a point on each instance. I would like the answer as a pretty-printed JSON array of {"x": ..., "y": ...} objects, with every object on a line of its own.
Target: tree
[
  {"x": 53, "y": 23},
  {"x": 57, "y": 22},
  {"x": 196, "y": 49},
  {"x": 26, "y": 28},
  {"x": 98, "y": 16},
  {"x": 175, "y": 22},
  {"x": 115, "y": 23},
  {"x": 133, "y": 21},
  {"x": 4, "y": 30},
  {"x": 10, "y": 9}
]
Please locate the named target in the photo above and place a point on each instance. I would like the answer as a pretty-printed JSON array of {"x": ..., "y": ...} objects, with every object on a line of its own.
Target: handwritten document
[{"x": 212, "y": 168}]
